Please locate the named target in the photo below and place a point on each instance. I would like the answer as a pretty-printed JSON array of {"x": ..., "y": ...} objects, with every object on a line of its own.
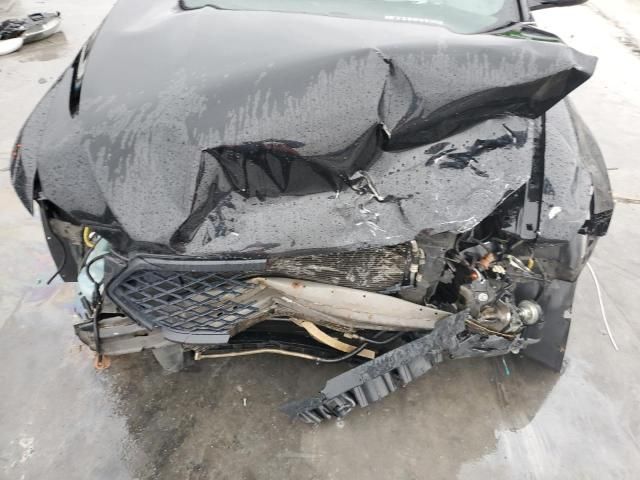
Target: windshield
[{"x": 464, "y": 16}]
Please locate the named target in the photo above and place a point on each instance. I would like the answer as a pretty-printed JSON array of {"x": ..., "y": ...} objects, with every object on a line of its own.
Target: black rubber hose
[
  {"x": 96, "y": 327},
  {"x": 91, "y": 262},
  {"x": 381, "y": 342},
  {"x": 352, "y": 353}
]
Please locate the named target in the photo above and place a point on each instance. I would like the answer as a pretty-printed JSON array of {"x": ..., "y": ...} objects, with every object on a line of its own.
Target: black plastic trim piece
[
  {"x": 374, "y": 380},
  {"x": 64, "y": 255}
]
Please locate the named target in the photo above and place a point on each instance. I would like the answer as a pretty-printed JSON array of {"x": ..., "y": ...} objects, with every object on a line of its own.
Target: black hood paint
[{"x": 210, "y": 131}]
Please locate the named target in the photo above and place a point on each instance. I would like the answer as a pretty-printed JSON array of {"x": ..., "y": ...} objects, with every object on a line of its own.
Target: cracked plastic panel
[{"x": 189, "y": 137}]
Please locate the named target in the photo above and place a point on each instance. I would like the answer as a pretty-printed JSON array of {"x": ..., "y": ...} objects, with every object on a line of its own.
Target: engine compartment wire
[
  {"x": 373, "y": 341},
  {"x": 88, "y": 266},
  {"x": 199, "y": 355},
  {"x": 489, "y": 331},
  {"x": 96, "y": 327},
  {"x": 342, "y": 358},
  {"x": 602, "y": 309}
]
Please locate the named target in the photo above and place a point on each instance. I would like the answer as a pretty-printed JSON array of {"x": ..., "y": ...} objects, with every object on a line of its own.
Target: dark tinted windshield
[{"x": 466, "y": 16}]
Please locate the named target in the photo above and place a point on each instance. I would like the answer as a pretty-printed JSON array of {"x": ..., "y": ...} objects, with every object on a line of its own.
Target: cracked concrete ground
[{"x": 61, "y": 419}]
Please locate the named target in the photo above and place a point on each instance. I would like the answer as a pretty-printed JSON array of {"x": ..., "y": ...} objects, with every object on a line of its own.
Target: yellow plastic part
[{"x": 85, "y": 237}]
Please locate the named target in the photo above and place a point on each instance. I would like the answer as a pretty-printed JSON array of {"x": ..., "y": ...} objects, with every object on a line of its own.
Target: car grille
[{"x": 185, "y": 302}]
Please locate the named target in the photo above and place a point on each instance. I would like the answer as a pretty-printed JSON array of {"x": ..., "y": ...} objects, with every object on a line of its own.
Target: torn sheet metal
[{"x": 263, "y": 145}]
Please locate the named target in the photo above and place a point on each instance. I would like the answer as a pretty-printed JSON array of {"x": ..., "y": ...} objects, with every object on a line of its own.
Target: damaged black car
[{"x": 388, "y": 183}]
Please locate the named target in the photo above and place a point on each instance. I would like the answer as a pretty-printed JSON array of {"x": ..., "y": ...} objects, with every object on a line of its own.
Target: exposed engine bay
[
  {"x": 400, "y": 195},
  {"x": 478, "y": 294},
  {"x": 208, "y": 302}
]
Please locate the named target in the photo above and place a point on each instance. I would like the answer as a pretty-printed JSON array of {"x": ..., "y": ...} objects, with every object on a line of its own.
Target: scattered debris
[{"x": 15, "y": 32}]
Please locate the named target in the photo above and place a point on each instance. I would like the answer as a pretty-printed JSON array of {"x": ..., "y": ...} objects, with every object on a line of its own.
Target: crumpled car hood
[{"x": 208, "y": 131}]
